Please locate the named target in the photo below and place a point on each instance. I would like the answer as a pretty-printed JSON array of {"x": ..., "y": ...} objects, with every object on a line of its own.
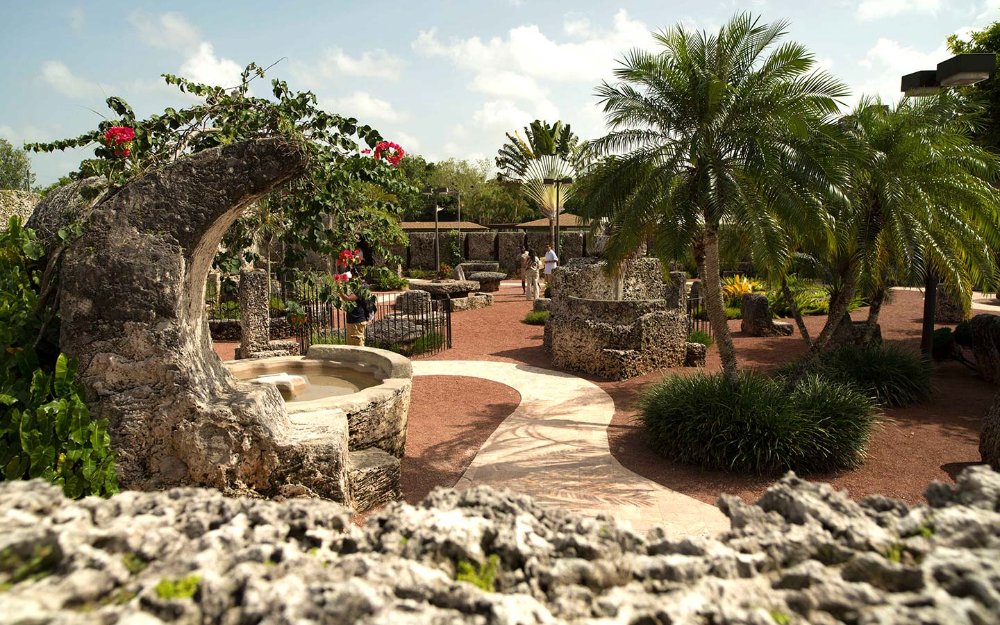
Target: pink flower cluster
[
  {"x": 340, "y": 278},
  {"x": 391, "y": 152},
  {"x": 119, "y": 138}
]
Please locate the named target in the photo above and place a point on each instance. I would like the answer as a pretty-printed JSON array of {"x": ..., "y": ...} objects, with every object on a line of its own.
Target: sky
[{"x": 445, "y": 79}]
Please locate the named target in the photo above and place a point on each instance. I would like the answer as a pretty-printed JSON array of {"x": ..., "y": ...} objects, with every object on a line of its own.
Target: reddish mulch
[
  {"x": 444, "y": 435},
  {"x": 915, "y": 445}
]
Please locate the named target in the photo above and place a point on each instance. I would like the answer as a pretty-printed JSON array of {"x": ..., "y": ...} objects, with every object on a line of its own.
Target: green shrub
[
  {"x": 225, "y": 310},
  {"x": 484, "y": 578},
  {"x": 732, "y": 312},
  {"x": 698, "y": 336},
  {"x": 421, "y": 274},
  {"x": 892, "y": 375},
  {"x": 537, "y": 317},
  {"x": 183, "y": 588},
  {"x": 548, "y": 291},
  {"x": 943, "y": 341},
  {"x": 963, "y": 334},
  {"x": 385, "y": 279},
  {"x": 46, "y": 429},
  {"x": 759, "y": 426}
]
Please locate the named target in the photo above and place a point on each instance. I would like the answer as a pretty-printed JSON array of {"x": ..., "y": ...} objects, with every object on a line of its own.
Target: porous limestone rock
[
  {"x": 986, "y": 346},
  {"x": 538, "y": 242},
  {"x": 570, "y": 245},
  {"x": 414, "y": 303},
  {"x": 14, "y": 202},
  {"x": 989, "y": 436},
  {"x": 509, "y": 247},
  {"x": 489, "y": 281},
  {"x": 471, "y": 267},
  {"x": 440, "y": 289},
  {"x": 695, "y": 354},
  {"x": 481, "y": 245},
  {"x": 804, "y": 553},
  {"x": 133, "y": 312},
  {"x": 392, "y": 330},
  {"x": 422, "y": 250},
  {"x": 756, "y": 318},
  {"x": 541, "y": 304}
]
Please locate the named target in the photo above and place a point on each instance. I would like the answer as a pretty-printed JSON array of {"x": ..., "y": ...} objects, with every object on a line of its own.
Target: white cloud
[
  {"x": 171, "y": 31},
  {"x": 496, "y": 117},
  {"x": 877, "y": 9},
  {"x": 371, "y": 64},
  {"x": 365, "y": 107},
  {"x": 887, "y": 61},
  {"x": 58, "y": 76},
  {"x": 409, "y": 143},
  {"x": 204, "y": 67},
  {"x": 508, "y": 85},
  {"x": 989, "y": 12},
  {"x": 528, "y": 51},
  {"x": 77, "y": 19}
]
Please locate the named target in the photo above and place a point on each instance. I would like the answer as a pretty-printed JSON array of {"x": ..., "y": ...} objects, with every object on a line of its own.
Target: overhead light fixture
[
  {"x": 966, "y": 69},
  {"x": 921, "y": 83}
]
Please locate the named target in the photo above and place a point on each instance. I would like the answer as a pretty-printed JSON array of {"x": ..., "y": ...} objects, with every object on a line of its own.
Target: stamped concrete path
[{"x": 554, "y": 447}]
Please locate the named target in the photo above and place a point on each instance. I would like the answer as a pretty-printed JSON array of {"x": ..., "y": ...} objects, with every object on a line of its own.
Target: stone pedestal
[
  {"x": 675, "y": 292},
  {"x": 255, "y": 323},
  {"x": 757, "y": 318},
  {"x": 989, "y": 438},
  {"x": 986, "y": 346}
]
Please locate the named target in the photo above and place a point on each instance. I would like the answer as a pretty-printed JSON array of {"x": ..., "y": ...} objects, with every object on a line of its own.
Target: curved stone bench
[{"x": 489, "y": 281}]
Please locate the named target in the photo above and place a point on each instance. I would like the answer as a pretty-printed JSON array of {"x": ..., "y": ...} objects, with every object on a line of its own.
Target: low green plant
[
  {"x": 943, "y": 342},
  {"x": 421, "y": 274},
  {"x": 385, "y": 279},
  {"x": 779, "y": 617},
  {"x": 445, "y": 271},
  {"x": 536, "y": 317},
  {"x": 46, "y": 429},
  {"x": 484, "y": 577},
  {"x": 181, "y": 588},
  {"x": 892, "y": 375},
  {"x": 547, "y": 293},
  {"x": 700, "y": 336},
  {"x": 134, "y": 563},
  {"x": 337, "y": 338},
  {"x": 758, "y": 426},
  {"x": 732, "y": 312},
  {"x": 735, "y": 287},
  {"x": 426, "y": 343},
  {"x": 15, "y": 568},
  {"x": 225, "y": 310}
]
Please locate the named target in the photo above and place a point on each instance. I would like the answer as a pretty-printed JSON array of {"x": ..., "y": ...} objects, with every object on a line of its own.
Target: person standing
[
  {"x": 551, "y": 262},
  {"x": 522, "y": 267},
  {"x": 531, "y": 276}
]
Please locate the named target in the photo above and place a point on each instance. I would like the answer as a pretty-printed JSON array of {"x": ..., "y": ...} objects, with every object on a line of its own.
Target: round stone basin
[{"x": 370, "y": 386}]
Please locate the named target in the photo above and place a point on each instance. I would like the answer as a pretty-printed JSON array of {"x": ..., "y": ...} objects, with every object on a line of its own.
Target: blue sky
[{"x": 445, "y": 79}]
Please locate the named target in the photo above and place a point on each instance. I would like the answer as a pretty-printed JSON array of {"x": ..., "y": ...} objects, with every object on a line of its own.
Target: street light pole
[
  {"x": 959, "y": 70},
  {"x": 435, "y": 192}
]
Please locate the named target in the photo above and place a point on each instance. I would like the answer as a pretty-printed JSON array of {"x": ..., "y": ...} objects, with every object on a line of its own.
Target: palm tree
[
  {"x": 731, "y": 129},
  {"x": 545, "y": 151},
  {"x": 920, "y": 197}
]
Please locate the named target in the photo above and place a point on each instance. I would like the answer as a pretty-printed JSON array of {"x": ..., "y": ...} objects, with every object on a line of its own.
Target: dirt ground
[{"x": 450, "y": 418}]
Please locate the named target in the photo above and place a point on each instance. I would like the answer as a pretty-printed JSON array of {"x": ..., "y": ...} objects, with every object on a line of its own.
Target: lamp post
[
  {"x": 960, "y": 70},
  {"x": 558, "y": 182},
  {"x": 435, "y": 192}
]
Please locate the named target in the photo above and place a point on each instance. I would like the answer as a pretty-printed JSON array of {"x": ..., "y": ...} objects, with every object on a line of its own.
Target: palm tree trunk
[
  {"x": 552, "y": 232},
  {"x": 715, "y": 307},
  {"x": 838, "y": 309},
  {"x": 873, "y": 314},
  {"x": 796, "y": 313}
]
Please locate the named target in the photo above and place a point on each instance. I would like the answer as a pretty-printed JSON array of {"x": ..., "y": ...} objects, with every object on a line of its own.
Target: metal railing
[
  {"x": 698, "y": 316},
  {"x": 419, "y": 331}
]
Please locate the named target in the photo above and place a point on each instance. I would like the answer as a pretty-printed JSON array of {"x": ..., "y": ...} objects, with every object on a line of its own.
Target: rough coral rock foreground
[{"x": 803, "y": 554}]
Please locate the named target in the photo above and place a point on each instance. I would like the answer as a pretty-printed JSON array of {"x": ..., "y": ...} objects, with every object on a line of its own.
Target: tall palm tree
[
  {"x": 731, "y": 129},
  {"x": 544, "y": 151},
  {"x": 921, "y": 196}
]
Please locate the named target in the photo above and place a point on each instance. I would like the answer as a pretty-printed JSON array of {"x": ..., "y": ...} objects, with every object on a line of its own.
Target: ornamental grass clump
[
  {"x": 892, "y": 375},
  {"x": 758, "y": 426}
]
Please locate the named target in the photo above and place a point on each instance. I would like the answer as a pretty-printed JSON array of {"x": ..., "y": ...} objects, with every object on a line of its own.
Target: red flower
[
  {"x": 366, "y": 151},
  {"x": 392, "y": 152},
  {"x": 119, "y": 138},
  {"x": 340, "y": 277}
]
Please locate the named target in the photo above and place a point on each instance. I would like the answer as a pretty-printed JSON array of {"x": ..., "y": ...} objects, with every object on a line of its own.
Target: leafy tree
[
  {"x": 545, "y": 151},
  {"x": 986, "y": 93},
  {"x": 343, "y": 198},
  {"x": 919, "y": 196},
  {"x": 729, "y": 129},
  {"x": 15, "y": 168}
]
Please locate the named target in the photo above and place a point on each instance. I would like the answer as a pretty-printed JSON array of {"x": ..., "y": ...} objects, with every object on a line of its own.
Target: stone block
[
  {"x": 541, "y": 304},
  {"x": 255, "y": 320},
  {"x": 374, "y": 478},
  {"x": 414, "y": 303},
  {"x": 675, "y": 291},
  {"x": 695, "y": 355},
  {"x": 509, "y": 247},
  {"x": 948, "y": 309},
  {"x": 986, "y": 346},
  {"x": 756, "y": 318},
  {"x": 481, "y": 245},
  {"x": 538, "y": 241},
  {"x": 489, "y": 281},
  {"x": 389, "y": 330},
  {"x": 570, "y": 245},
  {"x": 422, "y": 250},
  {"x": 989, "y": 437}
]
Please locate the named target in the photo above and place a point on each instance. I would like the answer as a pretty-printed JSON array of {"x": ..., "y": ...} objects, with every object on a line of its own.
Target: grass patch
[
  {"x": 760, "y": 426},
  {"x": 183, "y": 588},
  {"x": 16, "y": 568},
  {"x": 537, "y": 317},
  {"x": 698, "y": 336},
  {"x": 484, "y": 578},
  {"x": 891, "y": 375}
]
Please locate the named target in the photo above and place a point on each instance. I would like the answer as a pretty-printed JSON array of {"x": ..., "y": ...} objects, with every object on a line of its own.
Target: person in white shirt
[{"x": 551, "y": 262}]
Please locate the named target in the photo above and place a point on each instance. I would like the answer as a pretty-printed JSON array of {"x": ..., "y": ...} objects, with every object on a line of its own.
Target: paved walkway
[{"x": 554, "y": 447}]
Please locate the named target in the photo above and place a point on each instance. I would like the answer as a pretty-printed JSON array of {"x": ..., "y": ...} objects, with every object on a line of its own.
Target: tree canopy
[{"x": 15, "y": 168}]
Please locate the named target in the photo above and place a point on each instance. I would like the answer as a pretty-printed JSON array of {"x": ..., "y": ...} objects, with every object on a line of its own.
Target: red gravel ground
[{"x": 450, "y": 418}]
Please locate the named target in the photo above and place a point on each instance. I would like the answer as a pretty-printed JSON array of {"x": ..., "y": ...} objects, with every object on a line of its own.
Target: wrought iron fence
[
  {"x": 698, "y": 316},
  {"x": 419, "y": 331}
]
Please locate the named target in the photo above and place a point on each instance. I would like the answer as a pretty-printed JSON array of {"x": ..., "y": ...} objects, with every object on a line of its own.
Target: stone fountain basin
[{"x": 374, "y": 393}]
